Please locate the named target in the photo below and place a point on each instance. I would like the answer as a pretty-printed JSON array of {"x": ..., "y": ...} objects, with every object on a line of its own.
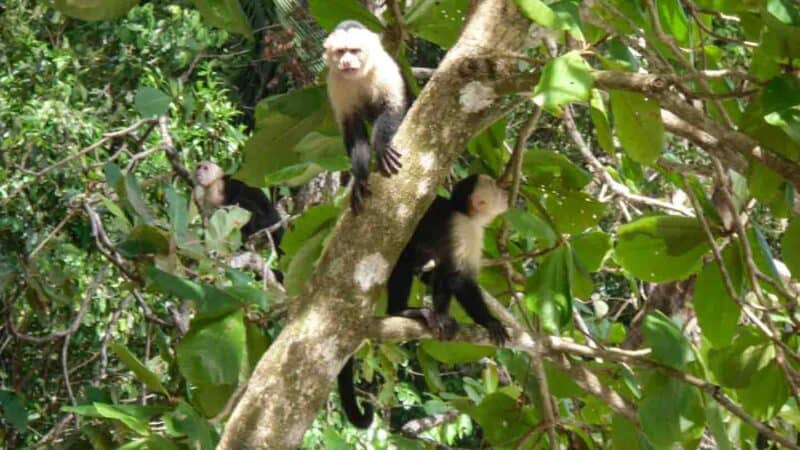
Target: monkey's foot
[
  {"x": 442, "y": 326},
  {"x": 389, "y": 162},
  {"x": 497, "y": 332},
  {"x": 360, "y": 191}
]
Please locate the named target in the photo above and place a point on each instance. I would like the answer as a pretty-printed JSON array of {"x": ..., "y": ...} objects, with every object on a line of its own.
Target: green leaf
[
  {"x": 530, "y": 225},
  {"x": 150, "y": 102},
  {"x": 669, "y": 345},
  {"x": 185, "y": 421},
  {"x": 141, "y": 371},
  {"x": 14, "y": 410},
  {"x": 737, "y": 364},
  {"x": 718, "y": 313},
  {"x": 438, "y": 21},
  {"x": 304, "y": 228},
  {"x": 661, "y": 248},
  {"x": 573, "y": 212},
  {"x": 764, "y": 398},
  {"x": 145, "y": 240},
  {"x": 328, "y": 14},
  {"x": 222, "y": 233},
  {"x": 782, "y": 104},
  {"x": 549, "y": 291},
  {"x": 637, "y": 120},
  {"x": 95, "y": 9},
  {"x": 669, "y": 409},
  {"x": 553, "y": 170},
  {"x": 564, "y": 80},
  {"x": 602, "y": 126},
  {"x": 430, "y": 369},
  {"x": 501, "y": 418},
  {"x": 488, "y": 146},
  {"x": 210, "y": 301},
  {"x": 132, "y": 416},
  {"x": 591, "y": 249},
  {"x": 282, "y": 122},
  {"x": 225, "y": 14},
  {"x": 764, "y": 183},
  {"x": 455, "y": 352},
  {"x": 213, "y": 351},
  {"x": 539, "y": 12},
  {"x": 130, "y": 193},
  {"x": 717, "y": 426},
  {"x": 790, "y": 245},
  {"x": 177, "y": 209},
  {"x": 674, "y": 21},
  {"x": 303, "y": 263},
  {"x": 625, "y": 436}
]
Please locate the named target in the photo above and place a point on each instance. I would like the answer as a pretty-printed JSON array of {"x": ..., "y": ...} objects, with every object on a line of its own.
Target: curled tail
[{"x": 347, "y": 394}]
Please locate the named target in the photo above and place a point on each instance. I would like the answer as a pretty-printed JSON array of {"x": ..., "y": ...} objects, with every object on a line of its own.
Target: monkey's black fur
[
  {"x": 433, "y": 241},
  {"x": 262, "y": 212}
]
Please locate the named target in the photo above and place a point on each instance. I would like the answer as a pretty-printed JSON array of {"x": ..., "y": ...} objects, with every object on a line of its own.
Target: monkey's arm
[
  {"x": 383, "y": 132},
  {"x": 468, "y": 294}
]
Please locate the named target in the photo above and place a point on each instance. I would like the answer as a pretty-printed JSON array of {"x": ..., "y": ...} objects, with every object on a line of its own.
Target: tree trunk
[{"x": 330, "y": 319}]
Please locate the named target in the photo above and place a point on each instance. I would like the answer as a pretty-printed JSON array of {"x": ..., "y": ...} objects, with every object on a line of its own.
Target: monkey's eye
[
  {"x": 341, "y": 51},
  {"x": 355, "y": 51}
]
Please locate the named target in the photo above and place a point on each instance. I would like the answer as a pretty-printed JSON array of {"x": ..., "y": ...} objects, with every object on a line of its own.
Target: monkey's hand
[
  {"x": 389, "y": 161},
  {"x": 497, "y": 332},
  {"x": 360, "y": 191}
]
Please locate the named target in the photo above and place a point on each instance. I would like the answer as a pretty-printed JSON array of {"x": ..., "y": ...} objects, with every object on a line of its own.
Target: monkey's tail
[{"x": 348, "y": 395}]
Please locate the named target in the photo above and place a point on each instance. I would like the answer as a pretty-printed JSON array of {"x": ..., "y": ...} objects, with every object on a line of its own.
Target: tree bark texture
[{"x": 330, "y": 319}]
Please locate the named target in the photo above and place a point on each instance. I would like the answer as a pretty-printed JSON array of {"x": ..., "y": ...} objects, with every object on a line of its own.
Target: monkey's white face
[
  {"x": 347, "y": 52},
  {"x": 207, "y": 173},
  {"x": 488, "y": 200}
]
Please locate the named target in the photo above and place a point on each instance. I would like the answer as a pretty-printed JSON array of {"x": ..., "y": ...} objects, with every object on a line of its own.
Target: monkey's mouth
[{"x": 349, "y": 70}]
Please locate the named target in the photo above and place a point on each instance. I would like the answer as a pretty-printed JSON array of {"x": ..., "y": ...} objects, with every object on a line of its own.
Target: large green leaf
[
  {"x": 304, "y": 228},
  {"x": 637, "y": 120},
  {"x": 501, "y": 417},
  {"x": 14, "y": 410},
  {"x": 209, "y": 300},
  {"x": 222, "y": 231},
  {"x": 455, "y": 352},
  {"x": 530, "y": 225},
  {"x": 430, "y": 369},
  {"x": 150, "y": 102},
  {"x": 328, "y": 14},
  {"x": 661, "y": 248},
  {"x": 134, "y": 417},
  {"x": 669, "y": 411},
  {"x": 438, "y": 21},
  {"x": 591, "y": 249},
  {"x": 303, "y": 262},
  {"x": 185, "y": 421},
  {"x": 549, "y": 292},
  {"x": 564, "y": 80},
  {"x": 625, "y": 436},
  {"x": 95, "y": 9},
  {"x": 764, "y": 398},
  {"x": 782, "y": 104},
  {"x": 144, "y": 240},
  {"x": 213, "y": 351},
  {"x": 737, "y": 364},
  {"x": 282, "y": 123},
  {"x": 225, "y": 14},
  {"x": 553, "y": 170},
  {"x": 718, "y": 313},
  {"x": 573, "y": 212},
  {"x": 674, "y": 21},
  {"x": 539, "y": 12},
  {"x": 144, "y": 374},
  {"x": 790, "y": 245},
  {"x": 669, "y": 345},
  {"x": 602, "y": 125}
]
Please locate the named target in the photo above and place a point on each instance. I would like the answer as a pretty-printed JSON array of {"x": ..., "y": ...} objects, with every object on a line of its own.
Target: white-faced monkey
[
  {"x": 449, "y": 237},
  {"x": 214, "y": 189},
  {"x": 365, "y": 85}
]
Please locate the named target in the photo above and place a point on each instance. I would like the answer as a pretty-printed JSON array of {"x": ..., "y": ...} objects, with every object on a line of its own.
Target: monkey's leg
[{"x": 357, "y": 145}]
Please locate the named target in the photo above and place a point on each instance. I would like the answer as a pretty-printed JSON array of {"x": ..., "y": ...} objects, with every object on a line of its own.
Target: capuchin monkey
[
  {"x": 450, "y": 238},
  {"x": 214, "y": 189},
  {"x": 365, "y": 85}
]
